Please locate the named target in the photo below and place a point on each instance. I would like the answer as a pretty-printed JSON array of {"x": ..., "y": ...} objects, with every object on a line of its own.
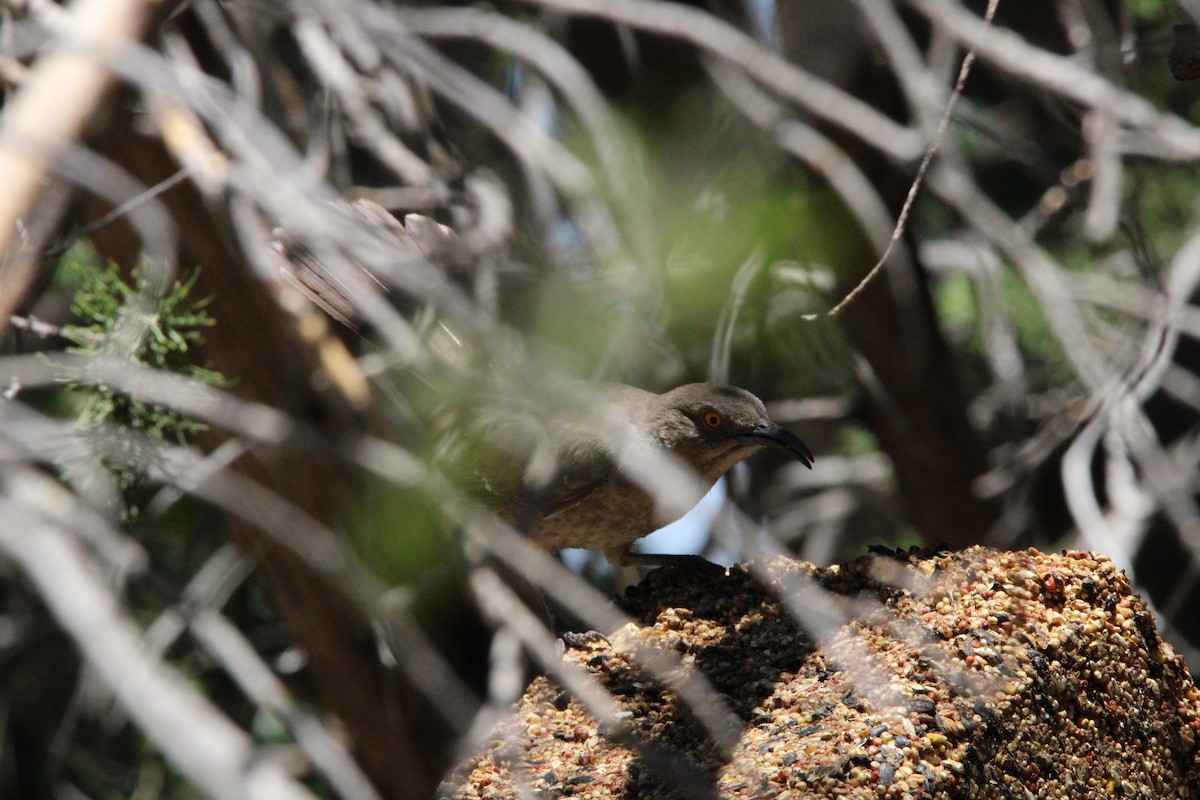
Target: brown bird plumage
[{"x": 561, "y": 480}]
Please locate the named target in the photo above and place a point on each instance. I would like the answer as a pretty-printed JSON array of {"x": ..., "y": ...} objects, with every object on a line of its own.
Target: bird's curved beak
[{"x": 781, "y": 437}]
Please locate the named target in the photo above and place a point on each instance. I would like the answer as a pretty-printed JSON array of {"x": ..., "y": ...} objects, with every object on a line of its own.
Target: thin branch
[
  {"x": 57, "y": 98},
  {"x": 200, "y": 741},
  {"x": 819, "y": 153},
  {"x": 714, "y": 36},
  {"x": 915, "y": 187},
  {"x": 1173, "y": 137},
  {"x": 121, "y": 211},
  {"x": 372, "y": 131},
  {"x": 227, "y": 644}
]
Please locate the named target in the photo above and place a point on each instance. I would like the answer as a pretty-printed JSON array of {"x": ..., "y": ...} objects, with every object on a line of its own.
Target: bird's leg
[
  {"x": 625, "y": 567},
  {"x": 625, "y": 562},
  {"x": 625, "y": 557}
]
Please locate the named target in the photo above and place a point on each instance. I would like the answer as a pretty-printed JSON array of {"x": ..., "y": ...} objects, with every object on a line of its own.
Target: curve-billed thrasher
[{"x": 582, "y": 479}]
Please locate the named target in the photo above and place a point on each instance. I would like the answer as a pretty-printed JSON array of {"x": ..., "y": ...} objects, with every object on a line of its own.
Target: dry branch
[
  {"x": 198, "y": 739},
  {"x": 55, "y": 102}
]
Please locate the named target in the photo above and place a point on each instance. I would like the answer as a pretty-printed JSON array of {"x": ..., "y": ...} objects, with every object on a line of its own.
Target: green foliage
[
  {"x": 708, "y": 204},
  {"x": 401, "y": 534},
  {"x": 125, "y": 318},
  {"x": 1149, "y": 10}
]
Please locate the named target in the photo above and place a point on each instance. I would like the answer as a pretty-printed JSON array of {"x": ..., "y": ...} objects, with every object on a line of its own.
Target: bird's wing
[
  {"x": 586, "y": 460},
  {"x": 486, "y": 457},
  {"x": 513, "y": 464},
  {"x": 581, "y": 469}
]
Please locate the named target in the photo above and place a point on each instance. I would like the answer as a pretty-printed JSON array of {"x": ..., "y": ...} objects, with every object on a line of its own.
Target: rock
[{"x": 980, "y": 674}]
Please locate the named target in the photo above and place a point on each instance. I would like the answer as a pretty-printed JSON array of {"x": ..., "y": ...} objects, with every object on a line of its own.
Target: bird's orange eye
[{"x": 712, "y": 419}]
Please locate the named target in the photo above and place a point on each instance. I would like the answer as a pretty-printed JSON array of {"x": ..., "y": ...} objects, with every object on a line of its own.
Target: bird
[{"x": 591, "y": 477}]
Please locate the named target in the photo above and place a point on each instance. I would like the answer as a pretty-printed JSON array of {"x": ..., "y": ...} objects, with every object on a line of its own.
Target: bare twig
[
  {"x": 227, "y": 644},
  {"x": 198, "y": 739},
  {"x": 820, "y": 154},
  {"x": 371, "y": 130},
  {"x": 55, "y": 101},
  {"x": 722, "y": 40},
  {"x": 915, "y": 187},
  {"x": 1172, "y": 137}
]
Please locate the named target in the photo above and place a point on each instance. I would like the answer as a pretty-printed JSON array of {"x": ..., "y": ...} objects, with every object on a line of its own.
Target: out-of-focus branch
[
  {"x": 1191, "y": 8},
  {"x": 552, "y": 61},
  {"x": 328, "y": 62},
  {"x": 819, "y": 153},
  {"x": 1043, "y": 275},
  {"x": 226, "y": 643},
  {"x": 923, "y": 89},
  {"x": 714, "y": 36},
  {"x": 58, "y": 97},
  {"x": 1174, "y": 138},
  {"x": 198, "y": 739}
]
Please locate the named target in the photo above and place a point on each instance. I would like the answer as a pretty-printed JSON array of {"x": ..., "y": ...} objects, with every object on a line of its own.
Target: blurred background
[{"x": 261, "y": 265}]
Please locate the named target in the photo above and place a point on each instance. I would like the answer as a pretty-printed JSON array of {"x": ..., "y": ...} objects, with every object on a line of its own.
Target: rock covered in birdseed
[{"x": 979, "y": 674}]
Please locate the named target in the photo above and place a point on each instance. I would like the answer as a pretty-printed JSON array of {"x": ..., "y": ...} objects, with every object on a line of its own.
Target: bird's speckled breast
[{"x": 611, "y": 517}]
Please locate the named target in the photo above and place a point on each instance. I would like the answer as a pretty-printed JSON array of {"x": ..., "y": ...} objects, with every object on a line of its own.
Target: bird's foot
[{"x": 578, "y": 639}]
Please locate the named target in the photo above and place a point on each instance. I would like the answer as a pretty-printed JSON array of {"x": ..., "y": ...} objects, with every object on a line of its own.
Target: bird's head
[{"x": 715, "y": 426}]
